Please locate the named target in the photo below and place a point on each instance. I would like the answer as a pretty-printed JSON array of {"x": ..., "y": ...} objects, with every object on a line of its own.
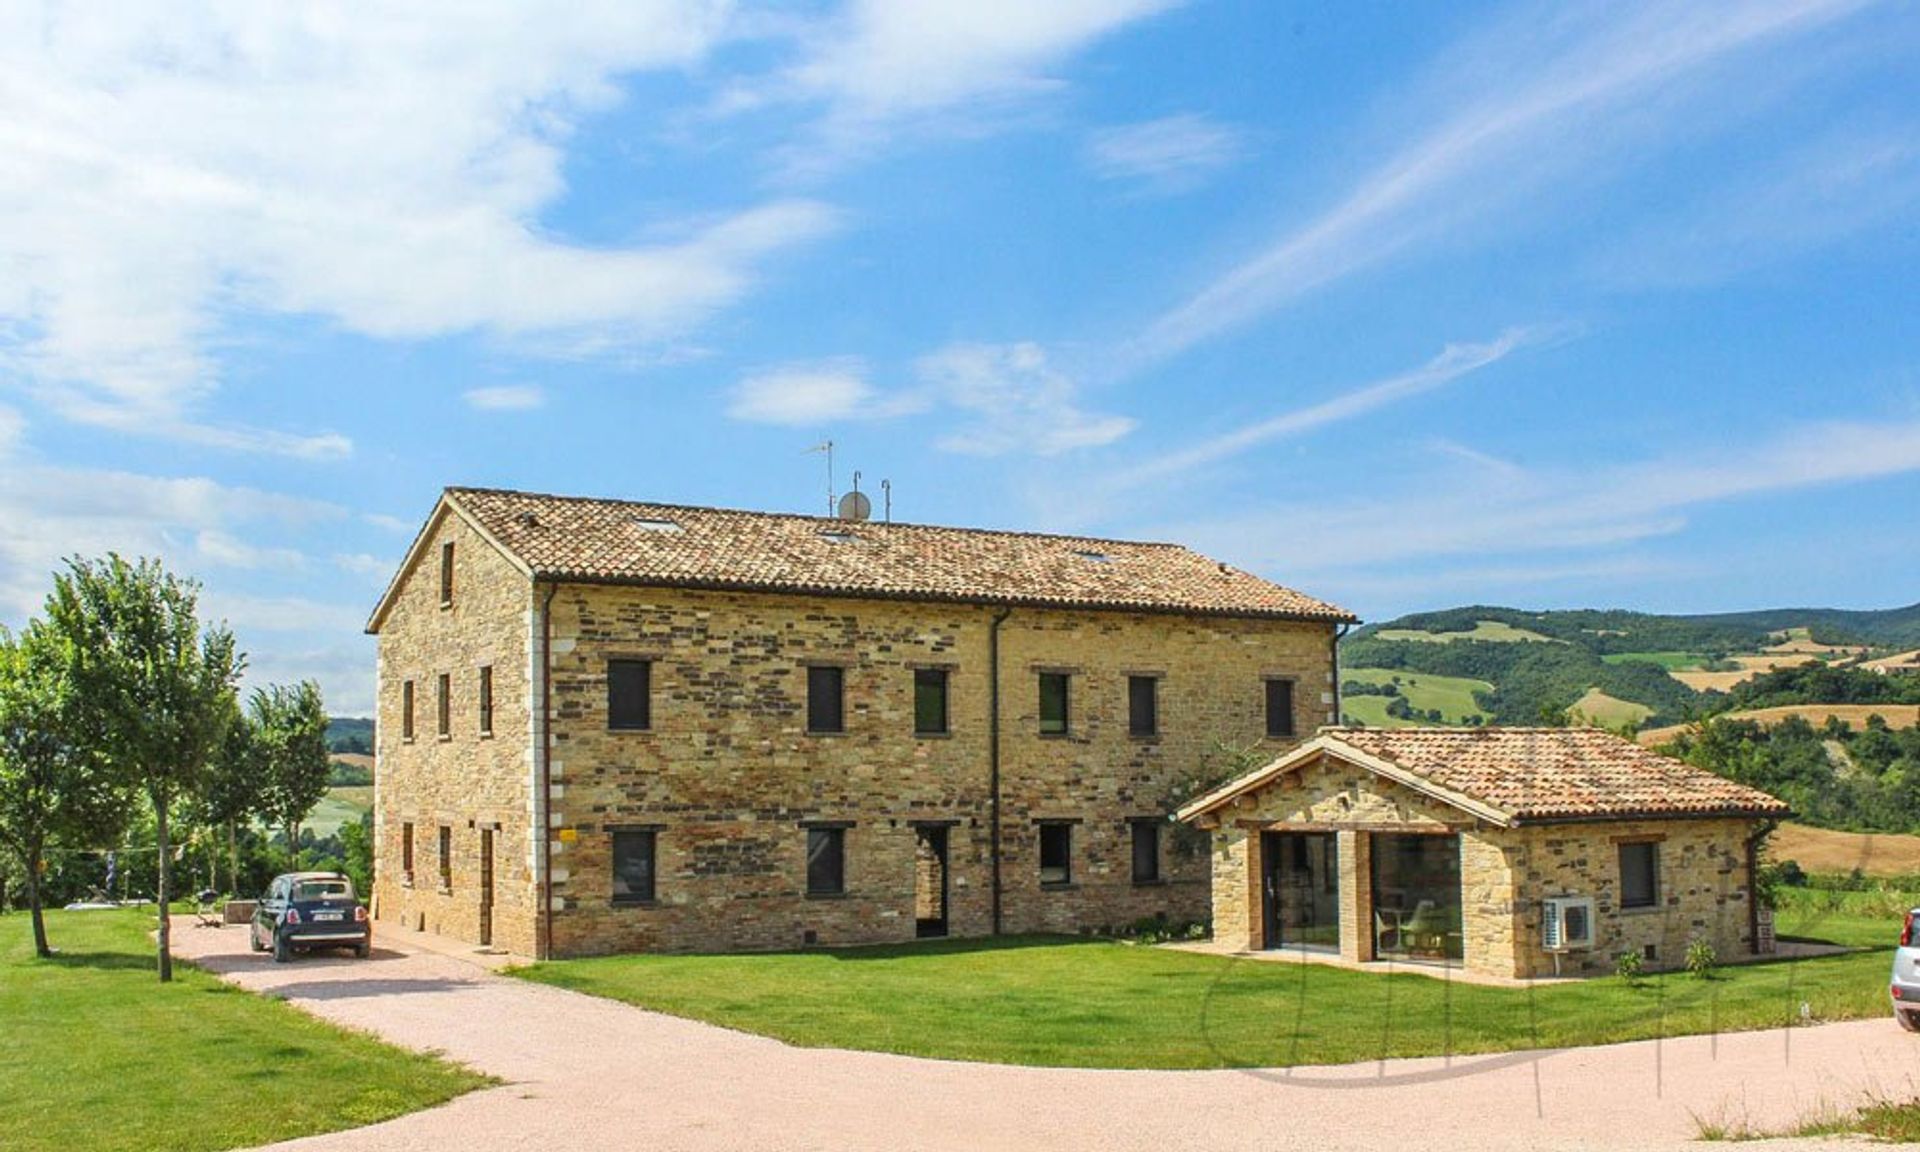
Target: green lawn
[
  {"x": 1082, "y": 1003},
  {"x": 1453, "y": 695},
  {"x": 98, "y": 1055}
]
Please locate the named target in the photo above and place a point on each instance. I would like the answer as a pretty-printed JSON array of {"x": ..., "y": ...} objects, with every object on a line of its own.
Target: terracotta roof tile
[
  {"x": 615, "y": 541},
  {"x": 1538, "y": 775},
  {"x": 1519, "y": 775}
]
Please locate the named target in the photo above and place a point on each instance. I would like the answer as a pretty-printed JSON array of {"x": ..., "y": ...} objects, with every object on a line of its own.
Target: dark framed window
[
  {"x": 826, "y": 861},
  {"x": 1143, "y": 706},
  {"x": 826, "y": 698},
  {"x": 1056, "y": 853},
  {"x": 486, "y": 700},
  {"x": 406, "y": 710},
  {"x": 930, "y": 701},
  {"x": 1053, "y": 703},
  {"x": 443, "y": 703},
  {"x": 446, "y": 574},
  {"x": 630, "y": 694},
  {"x": 633, "y": 865},
  {"x": 1146, "y": 851},
  {"x": 406, "y": 853},
  {"x": 1639, "y": 874},
  {"x": 446, "y": 858},
  {"x": 1280, "y": 708}
]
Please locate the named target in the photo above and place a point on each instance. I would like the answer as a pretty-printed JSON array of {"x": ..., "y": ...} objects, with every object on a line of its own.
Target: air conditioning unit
[{"x": 1566, "y": 924}]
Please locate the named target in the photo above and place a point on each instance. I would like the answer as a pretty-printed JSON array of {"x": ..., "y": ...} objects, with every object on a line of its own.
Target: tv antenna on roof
[
  {"x": 855, "y": 505},
  {"x": 827, "y": 447}
]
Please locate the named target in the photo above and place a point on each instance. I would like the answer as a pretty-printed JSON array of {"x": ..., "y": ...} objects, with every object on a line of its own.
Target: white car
[{"x": 1905, "y": 983}]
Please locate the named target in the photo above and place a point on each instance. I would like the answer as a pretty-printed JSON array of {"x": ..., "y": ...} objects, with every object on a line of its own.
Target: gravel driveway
[{"x": 588, "y": 1073}]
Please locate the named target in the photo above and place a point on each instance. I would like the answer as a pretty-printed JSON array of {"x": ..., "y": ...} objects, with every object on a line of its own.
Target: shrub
[
  {"x": 1628, "y": 966},
  {"x": 1701, "y": 958}
]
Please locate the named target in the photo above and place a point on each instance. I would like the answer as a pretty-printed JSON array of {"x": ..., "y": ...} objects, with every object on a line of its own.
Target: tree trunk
[
  {"x": 40, "y": 946},
  {"x": 163, "y": 897},
  {"x": 233, "y": 858}
]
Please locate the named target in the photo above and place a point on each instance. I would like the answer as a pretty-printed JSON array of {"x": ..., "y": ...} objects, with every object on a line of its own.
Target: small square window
[
  {"x": 1056, "y": 854},
  {"x": 1053, "y": 703},
  {"x": 406, "y": 710},
  {"x": 1143, "y": 706},
  {"x": 1146, "y": 851},
  {"x": 630, "y": 695},
  {"x": 930, "y": 701},
  {"x": 443, "y": 702},
  {"x": 633, "y": 865},
  {"x": 1280, "y": 708},
  {"x": 486, "y": 700},
  {"x": 826, "y": 703},
  {"x": 826, "y": 861},
  {"x": 1639, "y": 875},
  {"x": 446, "y": 574}
]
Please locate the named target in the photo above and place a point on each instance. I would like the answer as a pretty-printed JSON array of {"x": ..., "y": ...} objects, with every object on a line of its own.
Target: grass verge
[
  {"x": 99, "y": 1055},
  {"x": 1083, "y": 1003}
]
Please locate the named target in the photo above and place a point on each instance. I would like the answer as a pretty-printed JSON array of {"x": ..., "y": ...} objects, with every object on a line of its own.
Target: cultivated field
[
  {"x": 1610, "y": 711},
  {"x": 356, "y": 759},
  {"x": 1824, "y": 850},
  {"x": 1452, "y": 695},
  {"x": 1482, "y": 630},
  {"x": 339, "y": 806},
  {"x": 1896, "y": 716}
]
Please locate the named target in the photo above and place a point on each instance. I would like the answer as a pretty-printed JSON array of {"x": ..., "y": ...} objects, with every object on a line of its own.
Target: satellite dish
[{"x": 855, "y": 506}]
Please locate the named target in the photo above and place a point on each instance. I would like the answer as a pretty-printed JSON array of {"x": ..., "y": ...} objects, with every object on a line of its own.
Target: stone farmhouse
[
  {"x": 608, "y": 726},
  {"x": 1514, "y": 852}
]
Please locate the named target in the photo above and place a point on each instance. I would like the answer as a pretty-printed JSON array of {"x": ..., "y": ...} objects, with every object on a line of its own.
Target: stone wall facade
[
  {"x": 728, "y": 777},
  {"x": 467, "y": 782},
  {"x": 1505, "y": 874}
]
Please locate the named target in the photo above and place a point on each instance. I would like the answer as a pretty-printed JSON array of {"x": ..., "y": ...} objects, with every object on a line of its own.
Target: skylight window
[
  {"x": 1095, "y": 557},
  {"x": 648, "y": 524},
  {"x": 838, "y": 536}
]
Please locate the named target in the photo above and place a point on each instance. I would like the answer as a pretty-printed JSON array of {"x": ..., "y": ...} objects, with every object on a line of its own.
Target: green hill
[{"x": 1539, "y": 665}]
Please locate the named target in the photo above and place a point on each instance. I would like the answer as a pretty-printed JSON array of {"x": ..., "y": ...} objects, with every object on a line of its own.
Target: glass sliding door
[
  {"x": 1416, "y": 896},
  {"x": 1302, "y": 890}
]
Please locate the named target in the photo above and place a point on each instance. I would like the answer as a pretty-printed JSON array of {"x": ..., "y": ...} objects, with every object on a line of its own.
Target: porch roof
[{"x": 1512, "y": 776}]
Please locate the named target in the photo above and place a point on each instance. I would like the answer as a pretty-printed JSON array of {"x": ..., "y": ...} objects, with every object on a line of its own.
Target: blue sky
[{"x": 1404, "y": 305}]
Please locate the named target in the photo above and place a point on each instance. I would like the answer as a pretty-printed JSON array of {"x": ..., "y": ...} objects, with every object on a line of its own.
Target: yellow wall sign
[{"x": 568, "y": 835}]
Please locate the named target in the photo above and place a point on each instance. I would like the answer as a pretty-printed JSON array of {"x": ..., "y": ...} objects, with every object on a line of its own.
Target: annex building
[{"x": 1513, "y": 852}]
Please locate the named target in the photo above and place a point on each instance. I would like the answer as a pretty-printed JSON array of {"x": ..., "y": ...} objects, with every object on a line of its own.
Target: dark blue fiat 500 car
[{"x": 307, "y": 910}]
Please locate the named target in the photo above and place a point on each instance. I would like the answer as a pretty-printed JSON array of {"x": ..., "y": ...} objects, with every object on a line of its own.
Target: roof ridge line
[{"x": 456, "y": 489}]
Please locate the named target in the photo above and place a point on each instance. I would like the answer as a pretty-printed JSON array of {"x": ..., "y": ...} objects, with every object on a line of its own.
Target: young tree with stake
[{"x": 157, "y": 692}]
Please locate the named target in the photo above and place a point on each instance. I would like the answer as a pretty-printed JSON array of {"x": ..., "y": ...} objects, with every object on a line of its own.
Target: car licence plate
[{"x": 329, "y": 916}]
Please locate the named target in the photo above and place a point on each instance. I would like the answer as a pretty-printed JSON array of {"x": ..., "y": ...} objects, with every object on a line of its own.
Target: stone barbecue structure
[
  {"x": 1515, "y": 852},
  {"x": 608, "y": 726}
]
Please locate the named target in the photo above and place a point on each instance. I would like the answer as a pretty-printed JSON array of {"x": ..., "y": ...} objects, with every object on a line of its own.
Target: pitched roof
[
  {"x": 1520, "y": 775},
  {"x": 564, "y": 538}
]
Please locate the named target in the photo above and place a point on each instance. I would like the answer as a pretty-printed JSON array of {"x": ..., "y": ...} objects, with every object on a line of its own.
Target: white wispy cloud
[
  {"x": 365, "y": 564},
  {"x": 1489, "y": 516},
  {"x": 12, "y": 427},
  {"x": 212, "y": 546},
  {"x": 817, "y": 394},
  {"x": 880, "y": 64},
  {"x": 1015, "y": 402},
  {"x": 505, "y": 398},
  {"x": 383, "y": 521},
  {"x": 1450, "y": 364},
  {"x": 1850, "y": 180},
  {"x": 161, "y": 175},
  {"x": 1552, "y": 90},
  {"x": 1171, "y": 154}
]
